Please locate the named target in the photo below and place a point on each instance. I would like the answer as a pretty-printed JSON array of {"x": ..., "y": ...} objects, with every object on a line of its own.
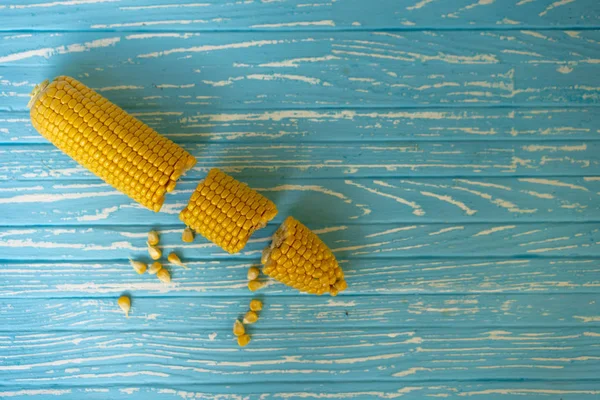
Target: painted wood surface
[
  {"x": 447, "y": 151},
  {"x": 211, "y": 15}
]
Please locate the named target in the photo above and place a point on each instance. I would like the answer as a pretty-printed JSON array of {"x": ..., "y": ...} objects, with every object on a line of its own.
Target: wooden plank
[
  {"x": 186, "y": 124},
  {"x": 335, "y": 160},
  {"x": 347, "y": 241},
  {"x": 291, "y": 314},
  {"x": 490, "y": 390},
  {"x": 345, "y": 353},
  {"x": 269, "y": 70},
  {"x": 294, "y": 14},
  {"x": 379, "y": 277},
  {"x": 383, "y": 200}
]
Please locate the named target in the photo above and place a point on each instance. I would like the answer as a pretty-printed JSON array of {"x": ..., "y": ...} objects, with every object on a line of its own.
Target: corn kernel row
[
  {"x": 226, "y": 211},
  {"x": 120, "y": 149},
  {"x": 298, "y": 258}
]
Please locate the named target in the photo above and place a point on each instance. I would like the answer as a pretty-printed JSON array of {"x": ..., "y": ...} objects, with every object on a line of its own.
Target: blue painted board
[
  {"x": 447, "y": 151},
  {"x": 352, "y": 240},
  {"x": 384, "y": 200},
  {"x": 408, "y": 356},
  {"x": 282, "y": 162},
  {"x": 184, "y": 124},
  {"x": 376, "y": 276},
  {"x": 493, "y": 390},
  {"x": 318, "y": 69},
  {"x": 209, "y": 15}
]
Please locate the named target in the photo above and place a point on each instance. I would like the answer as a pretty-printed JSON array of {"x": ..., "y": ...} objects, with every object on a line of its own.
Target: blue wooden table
[{"x": 447, "y": 151}]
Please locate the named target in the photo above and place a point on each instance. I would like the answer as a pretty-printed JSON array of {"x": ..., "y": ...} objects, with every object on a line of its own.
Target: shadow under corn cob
[{"x": 119, "y": 148}]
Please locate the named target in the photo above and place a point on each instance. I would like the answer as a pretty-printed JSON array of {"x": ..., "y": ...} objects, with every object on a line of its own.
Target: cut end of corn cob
[
  {"x": 226, "y": 211},
  {"x": 120, "y": 149},
  {"x": 298, "y": 258}
]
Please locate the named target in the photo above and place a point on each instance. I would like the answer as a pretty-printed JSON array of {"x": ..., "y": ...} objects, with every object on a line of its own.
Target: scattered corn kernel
[
  {"x": 153, "y": 238},
  {"x": 154, "y": 268},
  {"x": 226, "y": 211},
  {"x": 174, "y": 259},
  {"x": 155, "y": 252},
  {"x": 163, "y": 275},
  {"x": 298, "y": 258},
  {"x": 256, "y": 305},
  {"x": 139, "y": 267},
  {"x": 250, "y": 317},
  {"x": 120, "y": 149},
  {"x": 253, "y": 273},
  {"x": 243, "y": 340},
  {"x": 254, "y": 285},
  {"x": 187, "y": 235},
  {"x": 238, "y": 328},
  {"x": 125, "y": 303}
]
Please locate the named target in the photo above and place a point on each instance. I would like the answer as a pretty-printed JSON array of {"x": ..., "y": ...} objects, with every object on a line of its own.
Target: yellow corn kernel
[
  {"x": 243, "y": 340},
  {"x": 298, "y": 258},
  {"x": 188, "y": 235},
  {"x": 254, "y": 285},
  {"x": 139, "y": 267},
  {"x": 153, "y": 238},
  {"x": 256, "y": 305},
  {"x": 106, "y": 140},
  {"x": 163, "y": 275},
  {"x": 154, "y": 268},
  {"x": 125, "y": 303},
  {"x": 174, "y": 259},
  {"x": 155, "y": 252},
  {"x": 238, "y": 328},
  {"x": 253, "y": 273},
  {"x": 226, "y": 211},
  {"x": 250, "y": 317}
]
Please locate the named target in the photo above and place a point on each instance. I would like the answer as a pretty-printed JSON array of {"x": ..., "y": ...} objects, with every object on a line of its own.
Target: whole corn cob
[
  {"x": 226, "y": 211},
  {"x": 120, "y": 149},
  {"x": 298, "y": 258}
]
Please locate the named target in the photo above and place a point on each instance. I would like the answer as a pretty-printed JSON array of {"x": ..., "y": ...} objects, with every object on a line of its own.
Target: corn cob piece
[
  {"x": 298, "y": 258},
  {"x": 226, "y": 211},
  {"x": 120, "y": 149}
]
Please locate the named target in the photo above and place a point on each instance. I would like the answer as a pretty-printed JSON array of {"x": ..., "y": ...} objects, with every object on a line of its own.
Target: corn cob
[
  {"x": 298, "y": 258},
  {"x": 120, "y": 149},
  {"x": 226, "y": 211}
]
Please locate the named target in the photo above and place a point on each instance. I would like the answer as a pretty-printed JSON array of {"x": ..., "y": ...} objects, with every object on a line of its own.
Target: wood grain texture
[
  {"x": 355, "y": 241},
  {"x": 341, "y": 160},
  {"x": 87, "y": 279},
  {"x": 447, "y": 151},
  {"x": 347, "y": 125},
  {"x": 296, "y": 14},
  {"x": 550, "y": 312},
  {"x": 409, "y": 356},
  {"x": 384, "y": 200},
  {"x": 493, "y": 390},
  {"x": 318, "y": 69}
]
